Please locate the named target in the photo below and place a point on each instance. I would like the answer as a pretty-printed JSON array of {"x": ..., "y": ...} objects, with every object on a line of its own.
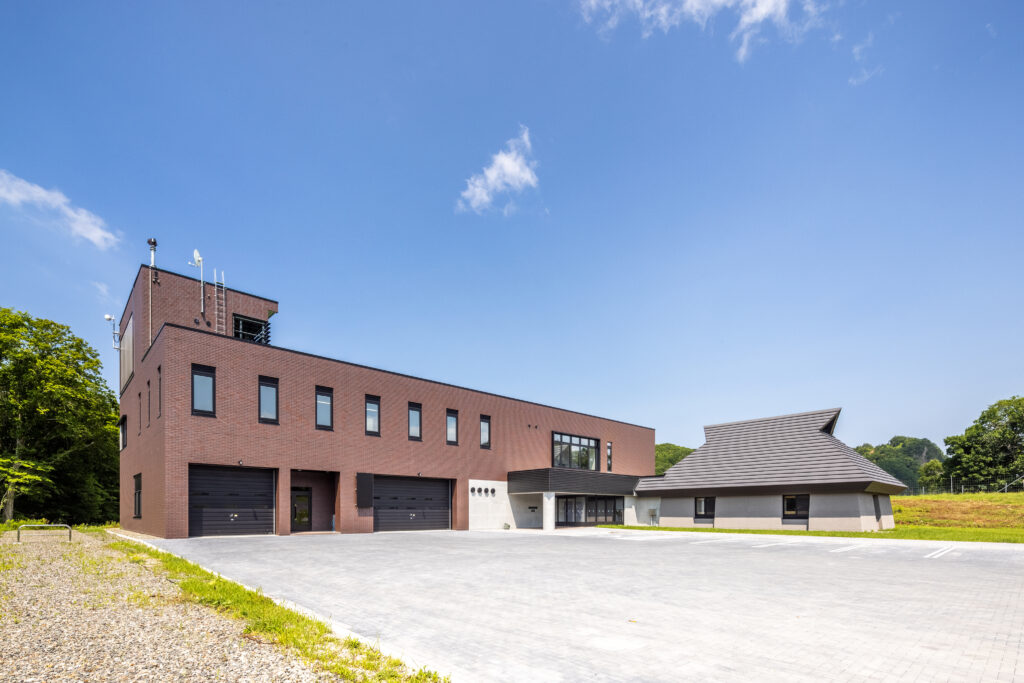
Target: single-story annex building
[{"x": 785, "y": 472}]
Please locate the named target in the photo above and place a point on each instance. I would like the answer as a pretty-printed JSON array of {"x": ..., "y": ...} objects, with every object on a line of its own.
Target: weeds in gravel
[
  {"x": 266, "y": 621},
  {"x": 8, "y": 558}
]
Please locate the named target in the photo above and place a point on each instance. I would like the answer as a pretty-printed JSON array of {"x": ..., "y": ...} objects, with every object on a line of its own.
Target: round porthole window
[
  {"x": 472, "y": 490},
  {"x": 492, "y": 492}
]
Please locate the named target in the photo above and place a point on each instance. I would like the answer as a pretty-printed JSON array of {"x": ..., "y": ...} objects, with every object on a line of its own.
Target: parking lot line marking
[
  {"x": 936, "y": 554},
  {"x": 769, "y": 545},
  {"x": 846, "y": 549}
]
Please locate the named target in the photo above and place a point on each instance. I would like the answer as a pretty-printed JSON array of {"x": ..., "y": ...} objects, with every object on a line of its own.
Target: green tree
[
  {"x": 58, "y": 424},
  {"x": 991, "y": 449},
  {"x": 931, "y": 476},
  {"x": 921, "y": 450},
  {"x": 668, "y": 454}
]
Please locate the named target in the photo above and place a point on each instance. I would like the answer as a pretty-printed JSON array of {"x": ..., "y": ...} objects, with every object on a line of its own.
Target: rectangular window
[
  {"x": 122, "y": 427},
  {"x": 704, "y": 508},
  {"x": 415, "y": 422},
  {"x": 574, "y": 452},
  {"x": 251, "y": 329},
  {"x": 609, "y": 456},
  {"x": 452, "y": 428},
  {"x": 485, "y": 431},
  {"x": 324, "y": 408},
  {"x": 204, "y": 390},
  {"x": 372, "y": 415},
  {"x": 159, "y": 392},
  {"x": 140, "y": 413},
  {"x": 268, "y": 400},
  {"x": 138, "y": 496},
  {"x": 127, "y": 352},
  {"x": 149, "y": 403},
  {"x": 796, "y": 507}
]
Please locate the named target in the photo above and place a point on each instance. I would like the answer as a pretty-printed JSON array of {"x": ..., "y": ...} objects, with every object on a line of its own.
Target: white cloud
[
  {"x": 664, "y": 15},
  {"x": 79, "y": 222},
  {"x": 103, "y": 289},
  {"x": 511, "y": 170},
  {"x": 991, "y": 30},
  {"x": 860, "y": 48},
  {"x": 859, "y": 51}
]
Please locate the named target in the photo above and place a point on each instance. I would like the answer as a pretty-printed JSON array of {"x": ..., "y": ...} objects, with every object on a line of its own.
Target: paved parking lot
[{"x": 598, "y": 604}]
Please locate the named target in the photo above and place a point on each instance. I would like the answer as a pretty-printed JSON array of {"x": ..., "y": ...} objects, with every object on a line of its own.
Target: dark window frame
[
  {"x": 597, "y": 453},
  {"x": 204, "y": 371},
  {"x": 140, "y": 413},
  {"x": 485, "y": 419},
  {"x": 797, "y": 512},
  {"x": 709, "y": 502},
  {"x": 375, "y": 400},
  {"x": 449, "y": 413},
  {"x": 149, "y": 404},
  {"x": 261, "y": 337},
  {"x": 159, "y": 392},
  {"x": 608, "y": 450},
  {"x": 264, "y": 381},
  {"x": 317, "y": 393},
  {"x": 418, "y": 408},
  {"x": 122, "y": 428},
  {"x": 137, "y": 511}
]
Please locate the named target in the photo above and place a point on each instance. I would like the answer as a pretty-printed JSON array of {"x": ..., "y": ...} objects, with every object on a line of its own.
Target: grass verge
[
  {"x": 920, "y": 533},
  {"x": 980, "y": 510},
  {"x": 267, "y": 621}
]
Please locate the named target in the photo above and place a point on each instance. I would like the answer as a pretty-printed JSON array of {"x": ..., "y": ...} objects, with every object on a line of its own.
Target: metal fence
[{"x": 954, "y": 485}]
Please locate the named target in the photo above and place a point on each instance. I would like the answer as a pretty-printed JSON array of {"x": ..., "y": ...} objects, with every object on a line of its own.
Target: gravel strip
[{"x": 81, "y": 611}]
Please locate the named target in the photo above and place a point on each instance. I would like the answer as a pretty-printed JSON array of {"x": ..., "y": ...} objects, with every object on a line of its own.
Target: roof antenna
[{"x": 197, "y": 261}]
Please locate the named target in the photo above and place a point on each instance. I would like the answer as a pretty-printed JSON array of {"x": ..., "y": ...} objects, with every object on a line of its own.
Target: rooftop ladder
[{"x": 220, "y": 303}]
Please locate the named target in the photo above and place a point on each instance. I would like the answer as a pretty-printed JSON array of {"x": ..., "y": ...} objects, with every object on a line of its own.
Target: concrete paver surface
[{"x": 615, "y": 605}]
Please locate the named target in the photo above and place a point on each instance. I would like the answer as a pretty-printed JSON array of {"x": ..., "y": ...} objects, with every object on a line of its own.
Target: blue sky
[{"x": 671, "y": 213}]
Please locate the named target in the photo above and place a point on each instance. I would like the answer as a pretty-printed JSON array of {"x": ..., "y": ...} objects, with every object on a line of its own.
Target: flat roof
[{"x": 389, "y": 372}]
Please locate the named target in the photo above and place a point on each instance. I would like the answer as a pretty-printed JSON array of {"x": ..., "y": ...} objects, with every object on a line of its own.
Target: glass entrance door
[
  {"x": 302, "y": 509},
  {"x": 588, "y": 510}
]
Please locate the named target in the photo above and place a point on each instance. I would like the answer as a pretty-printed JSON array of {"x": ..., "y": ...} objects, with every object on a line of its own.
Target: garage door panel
[
  {"x": 230, "y": 500},
  {"x": 408, "y": 504}
]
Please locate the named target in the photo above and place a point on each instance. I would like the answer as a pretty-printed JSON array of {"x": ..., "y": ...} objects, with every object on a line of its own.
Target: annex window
[
  {"x": 127, "y": 352},
  {"x": 159, "y": 392},
  {"x": 415, "y": 422},
  {"x": 138, "y": 496},
  {"x": 452, "y": 428},
  {"x": 251, "y": 329},
  {"x": 609, "y": 449},
  {"x": 796, "y": 507},
  {"x": 204, "y": 390},
  {"x": 268, "y": 399},
  {"x": 485, "y": 431},
  {"x": 324, "y": 408},
  {"x": 372, "y": 415},
  {"x": 149, "y": 403},
  {"x": 704, "y": 508},
  {"x": 122, "y": 428},
  {"x": 575, "y": 452},
  {"x": 140, "y": 413}
]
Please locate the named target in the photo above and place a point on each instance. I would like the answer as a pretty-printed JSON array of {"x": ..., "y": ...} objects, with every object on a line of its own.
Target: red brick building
[{"x": 221, "y": 432}]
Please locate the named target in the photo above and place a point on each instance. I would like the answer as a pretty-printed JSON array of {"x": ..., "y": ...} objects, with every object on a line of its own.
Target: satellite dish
[{"x": 195, "y": 256}]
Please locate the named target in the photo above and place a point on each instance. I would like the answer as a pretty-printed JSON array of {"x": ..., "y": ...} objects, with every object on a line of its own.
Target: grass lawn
[{"x": 994, "y": 517}]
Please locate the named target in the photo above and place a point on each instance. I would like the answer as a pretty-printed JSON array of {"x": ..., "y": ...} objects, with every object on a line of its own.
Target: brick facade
[{"x": 520, "y": 430}]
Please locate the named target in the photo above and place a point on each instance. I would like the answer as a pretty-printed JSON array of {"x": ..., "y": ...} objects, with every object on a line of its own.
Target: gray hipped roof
[{"x": 773, "y": 453}]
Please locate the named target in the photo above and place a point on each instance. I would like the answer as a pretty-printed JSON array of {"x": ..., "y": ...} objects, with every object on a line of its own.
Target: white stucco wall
[
  {"x": 828, "y": 512},
  {"x": 527, "y": 510},
  {"x": 487, "y": 510},
  {"x": 636, "y": 511}
]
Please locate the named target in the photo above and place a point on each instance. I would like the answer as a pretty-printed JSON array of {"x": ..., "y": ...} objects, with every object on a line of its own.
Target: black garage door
[
  {"x": 411, "y": 503},
  {"x": 230, "y": 500}
]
